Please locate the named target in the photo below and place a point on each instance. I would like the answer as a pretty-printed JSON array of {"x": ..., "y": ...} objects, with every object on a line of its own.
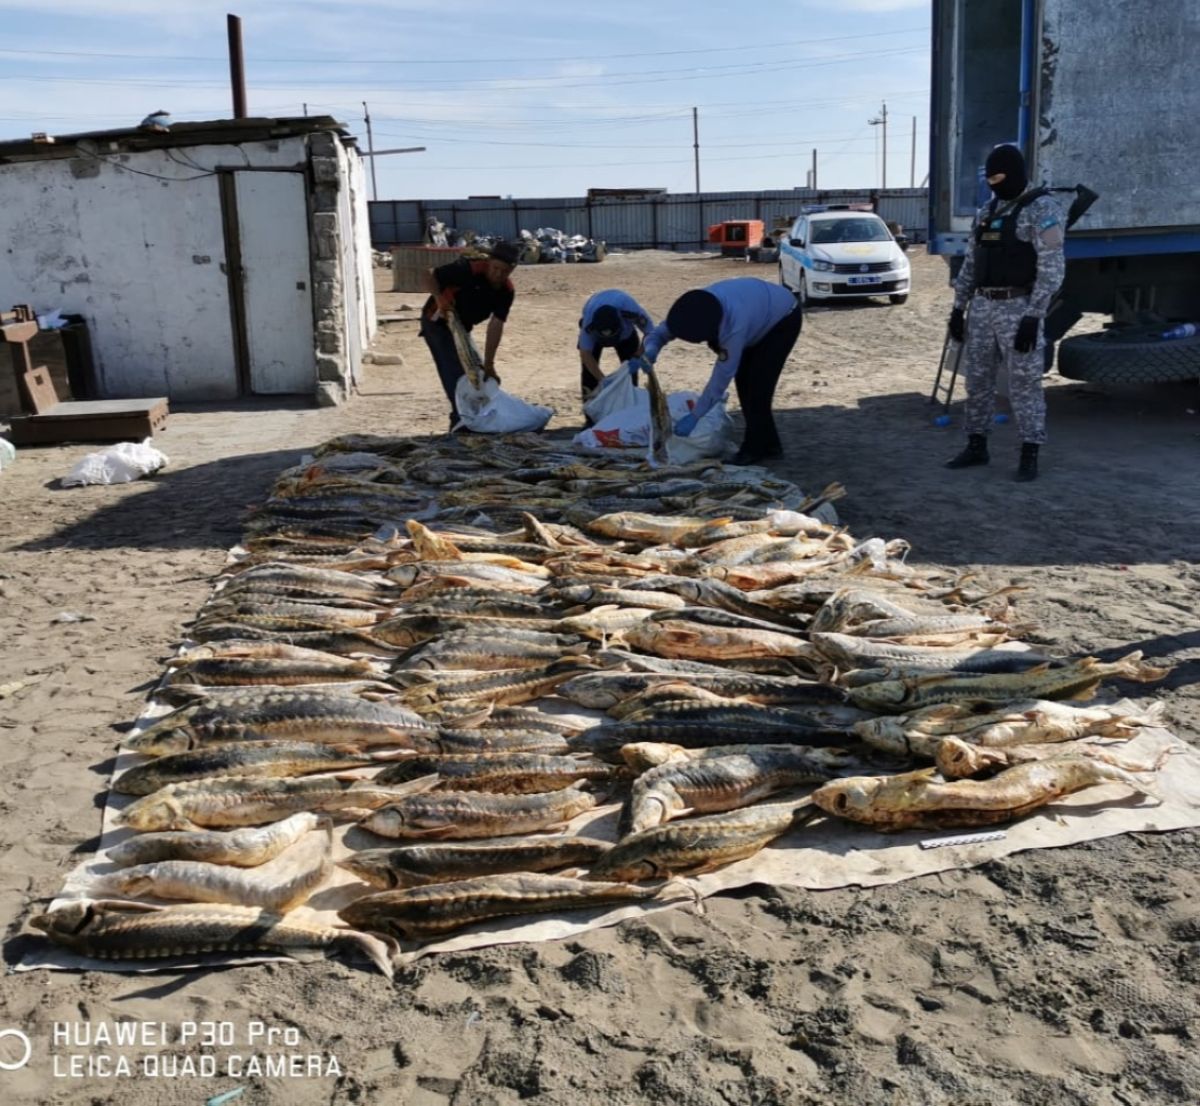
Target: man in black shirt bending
[{"x": 473, "y": 291}]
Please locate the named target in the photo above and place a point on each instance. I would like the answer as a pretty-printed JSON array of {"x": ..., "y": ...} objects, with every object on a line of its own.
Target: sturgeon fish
[{"x": 112, "y": 930}]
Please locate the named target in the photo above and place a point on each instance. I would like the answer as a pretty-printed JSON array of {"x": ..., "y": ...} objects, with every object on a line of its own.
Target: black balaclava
[
  {"x": 605, "y": 324},
  {"x": 1009, "y": 161},
  {"x": 696, "y": 317}
]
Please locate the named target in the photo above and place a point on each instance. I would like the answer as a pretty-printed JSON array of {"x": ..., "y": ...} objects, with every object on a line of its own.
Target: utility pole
[
  {"x": 814, "y": 170},
  {"x": 305, "y": 110},
  {"x": 237, "y": 66},
  {"x": 881, "y": 120},
  {"x": 696, "y": 145},
  {"x": 912, "y": 165},
  {"x": 370, "y": 150}
]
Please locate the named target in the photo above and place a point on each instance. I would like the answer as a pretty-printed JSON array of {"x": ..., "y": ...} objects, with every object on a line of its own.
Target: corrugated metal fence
[{"x": 663, "y": 222}]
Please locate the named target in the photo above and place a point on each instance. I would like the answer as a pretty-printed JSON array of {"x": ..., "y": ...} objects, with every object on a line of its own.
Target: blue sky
[{"x": 533, "y": 98}]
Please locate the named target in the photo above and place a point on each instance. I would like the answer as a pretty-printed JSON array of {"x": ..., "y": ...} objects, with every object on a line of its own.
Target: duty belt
[{"x": 1003, "y": 293}]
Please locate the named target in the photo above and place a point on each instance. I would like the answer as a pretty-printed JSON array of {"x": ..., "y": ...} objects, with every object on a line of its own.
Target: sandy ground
[{"x": 1066, "y": 976}]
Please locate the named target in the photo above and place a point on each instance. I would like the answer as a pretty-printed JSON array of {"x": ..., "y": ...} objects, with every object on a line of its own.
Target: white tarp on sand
[{"x": 824, "y": 855}]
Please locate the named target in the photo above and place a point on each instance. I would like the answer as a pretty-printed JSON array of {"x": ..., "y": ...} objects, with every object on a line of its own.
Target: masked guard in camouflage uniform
[{"x": 1009, "y": 277}]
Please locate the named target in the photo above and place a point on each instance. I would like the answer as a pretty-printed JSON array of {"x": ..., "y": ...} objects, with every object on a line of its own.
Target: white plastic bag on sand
[
  {"x": 118, "y": 464},
  {"x": 491, "y": 410},
  {"x": 617, "y": 391},
  {"x": 7, "y": 453},
  {"x": 629, "y": 428},
  {"x": 709, "y": 439},
  {"x": 626, "y": 428}
]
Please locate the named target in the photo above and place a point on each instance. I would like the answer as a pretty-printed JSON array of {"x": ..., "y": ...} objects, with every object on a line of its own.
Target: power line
[
  {"x": 529, "y": 84},
  {"x": 509, "y": 122},
  {"x": 454, "y": 61},
  {"x": 616, "y": 164},
  {"x": 619, "y": 145}
]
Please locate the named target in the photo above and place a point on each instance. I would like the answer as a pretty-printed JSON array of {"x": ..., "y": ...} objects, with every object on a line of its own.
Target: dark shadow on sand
[{"x": 1117, "y": 485}]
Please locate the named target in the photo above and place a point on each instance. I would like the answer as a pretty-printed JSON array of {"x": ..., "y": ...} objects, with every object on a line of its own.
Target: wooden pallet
[{"x": 98, "y": 420}]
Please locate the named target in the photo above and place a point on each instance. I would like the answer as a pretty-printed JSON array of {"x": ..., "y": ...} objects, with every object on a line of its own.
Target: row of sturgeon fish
[{"x": 759, "y": 669}]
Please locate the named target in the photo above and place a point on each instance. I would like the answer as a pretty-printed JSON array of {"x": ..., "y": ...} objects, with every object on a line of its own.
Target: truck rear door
[{"x": 977, "y": 103}]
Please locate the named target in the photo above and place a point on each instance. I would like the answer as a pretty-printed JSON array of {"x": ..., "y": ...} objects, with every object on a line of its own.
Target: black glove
[
  {"x": 1027, "y": 334},
  {"x": 957, "y": 324}
]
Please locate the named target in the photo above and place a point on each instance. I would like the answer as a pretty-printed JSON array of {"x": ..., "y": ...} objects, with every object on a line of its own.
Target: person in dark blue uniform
[{"x": 751, "y": 325}]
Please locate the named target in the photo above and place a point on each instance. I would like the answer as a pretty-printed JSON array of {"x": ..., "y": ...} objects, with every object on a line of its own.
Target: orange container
[{"x": 737, "y": 236}]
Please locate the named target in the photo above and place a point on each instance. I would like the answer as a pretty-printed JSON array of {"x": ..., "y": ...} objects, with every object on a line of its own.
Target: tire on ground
[{"x": 1101, "y": 359}]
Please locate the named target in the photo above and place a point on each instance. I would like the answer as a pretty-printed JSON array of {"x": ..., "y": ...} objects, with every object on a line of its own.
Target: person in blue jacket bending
[
  {"x": 610, "y": 318},
  {"x": 751, "y": 325}
]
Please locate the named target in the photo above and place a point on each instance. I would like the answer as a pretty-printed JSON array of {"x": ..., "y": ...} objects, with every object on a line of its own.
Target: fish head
[
  {"x": 388, "y": 821},
  {"x": 154, "y": 812},
  {"x": 68, "y": 924},
  {"x": 957, "y": 759},
  {"x": 178, "y": 739},
  {"x": 131, "y": 882},
  {"x": 359, "y": 914},
  {"x": 652, "y": 811},
  {"x": 404, "y": 575},
  {"x": 68, "y": 918},
  {"x": 431, "y": 546},
  {"x": 886, "y": 734},
  {"x": 181, "y": 716},
  {"x": 833, "y": 614},
  {"x": 372, "y": 869},
  {"x": 377, "y": 917},
  {"x": 400, "y": 632},
  {"x": 849, "y": 798},
  {"x": 623, "y": 864}
]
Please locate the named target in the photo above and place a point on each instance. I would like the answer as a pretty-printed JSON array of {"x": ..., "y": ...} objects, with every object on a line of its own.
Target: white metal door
[{"x": 273, "y": 230}]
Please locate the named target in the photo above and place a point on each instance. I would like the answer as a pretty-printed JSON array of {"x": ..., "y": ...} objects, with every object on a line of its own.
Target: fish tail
[
  {"x": 382, "y": 951},
  {"x": 1132, "y": 667},
  {"x": 679, "y": 887}
]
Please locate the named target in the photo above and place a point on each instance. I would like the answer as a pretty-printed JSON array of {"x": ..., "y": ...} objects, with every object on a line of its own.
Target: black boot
[
  {"x": 976, "y": 453},
  {"x": 1027, "y": 466},
  {"x": 749, "y": 456}
]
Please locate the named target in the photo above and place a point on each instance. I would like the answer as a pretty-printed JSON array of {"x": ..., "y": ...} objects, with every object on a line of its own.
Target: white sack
[
  {"x": 617, "y": 391},
  {"x": 491, "y": 410},
  {"x": 629, "y": 428},
  {"x": 118, "y": 464}
]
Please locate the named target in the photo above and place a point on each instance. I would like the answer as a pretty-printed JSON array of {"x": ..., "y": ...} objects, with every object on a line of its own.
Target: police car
[{"x": 836, "y": 254}]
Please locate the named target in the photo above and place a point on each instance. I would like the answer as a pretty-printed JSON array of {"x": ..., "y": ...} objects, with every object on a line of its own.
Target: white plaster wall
[
  {"x": 351, "y": 321},
  {"x": 139, "y": 257},
  {"x": 357, "y": 265}
]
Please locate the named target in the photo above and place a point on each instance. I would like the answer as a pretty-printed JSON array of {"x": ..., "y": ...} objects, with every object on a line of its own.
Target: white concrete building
[{"x": 216, "y": 260}]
